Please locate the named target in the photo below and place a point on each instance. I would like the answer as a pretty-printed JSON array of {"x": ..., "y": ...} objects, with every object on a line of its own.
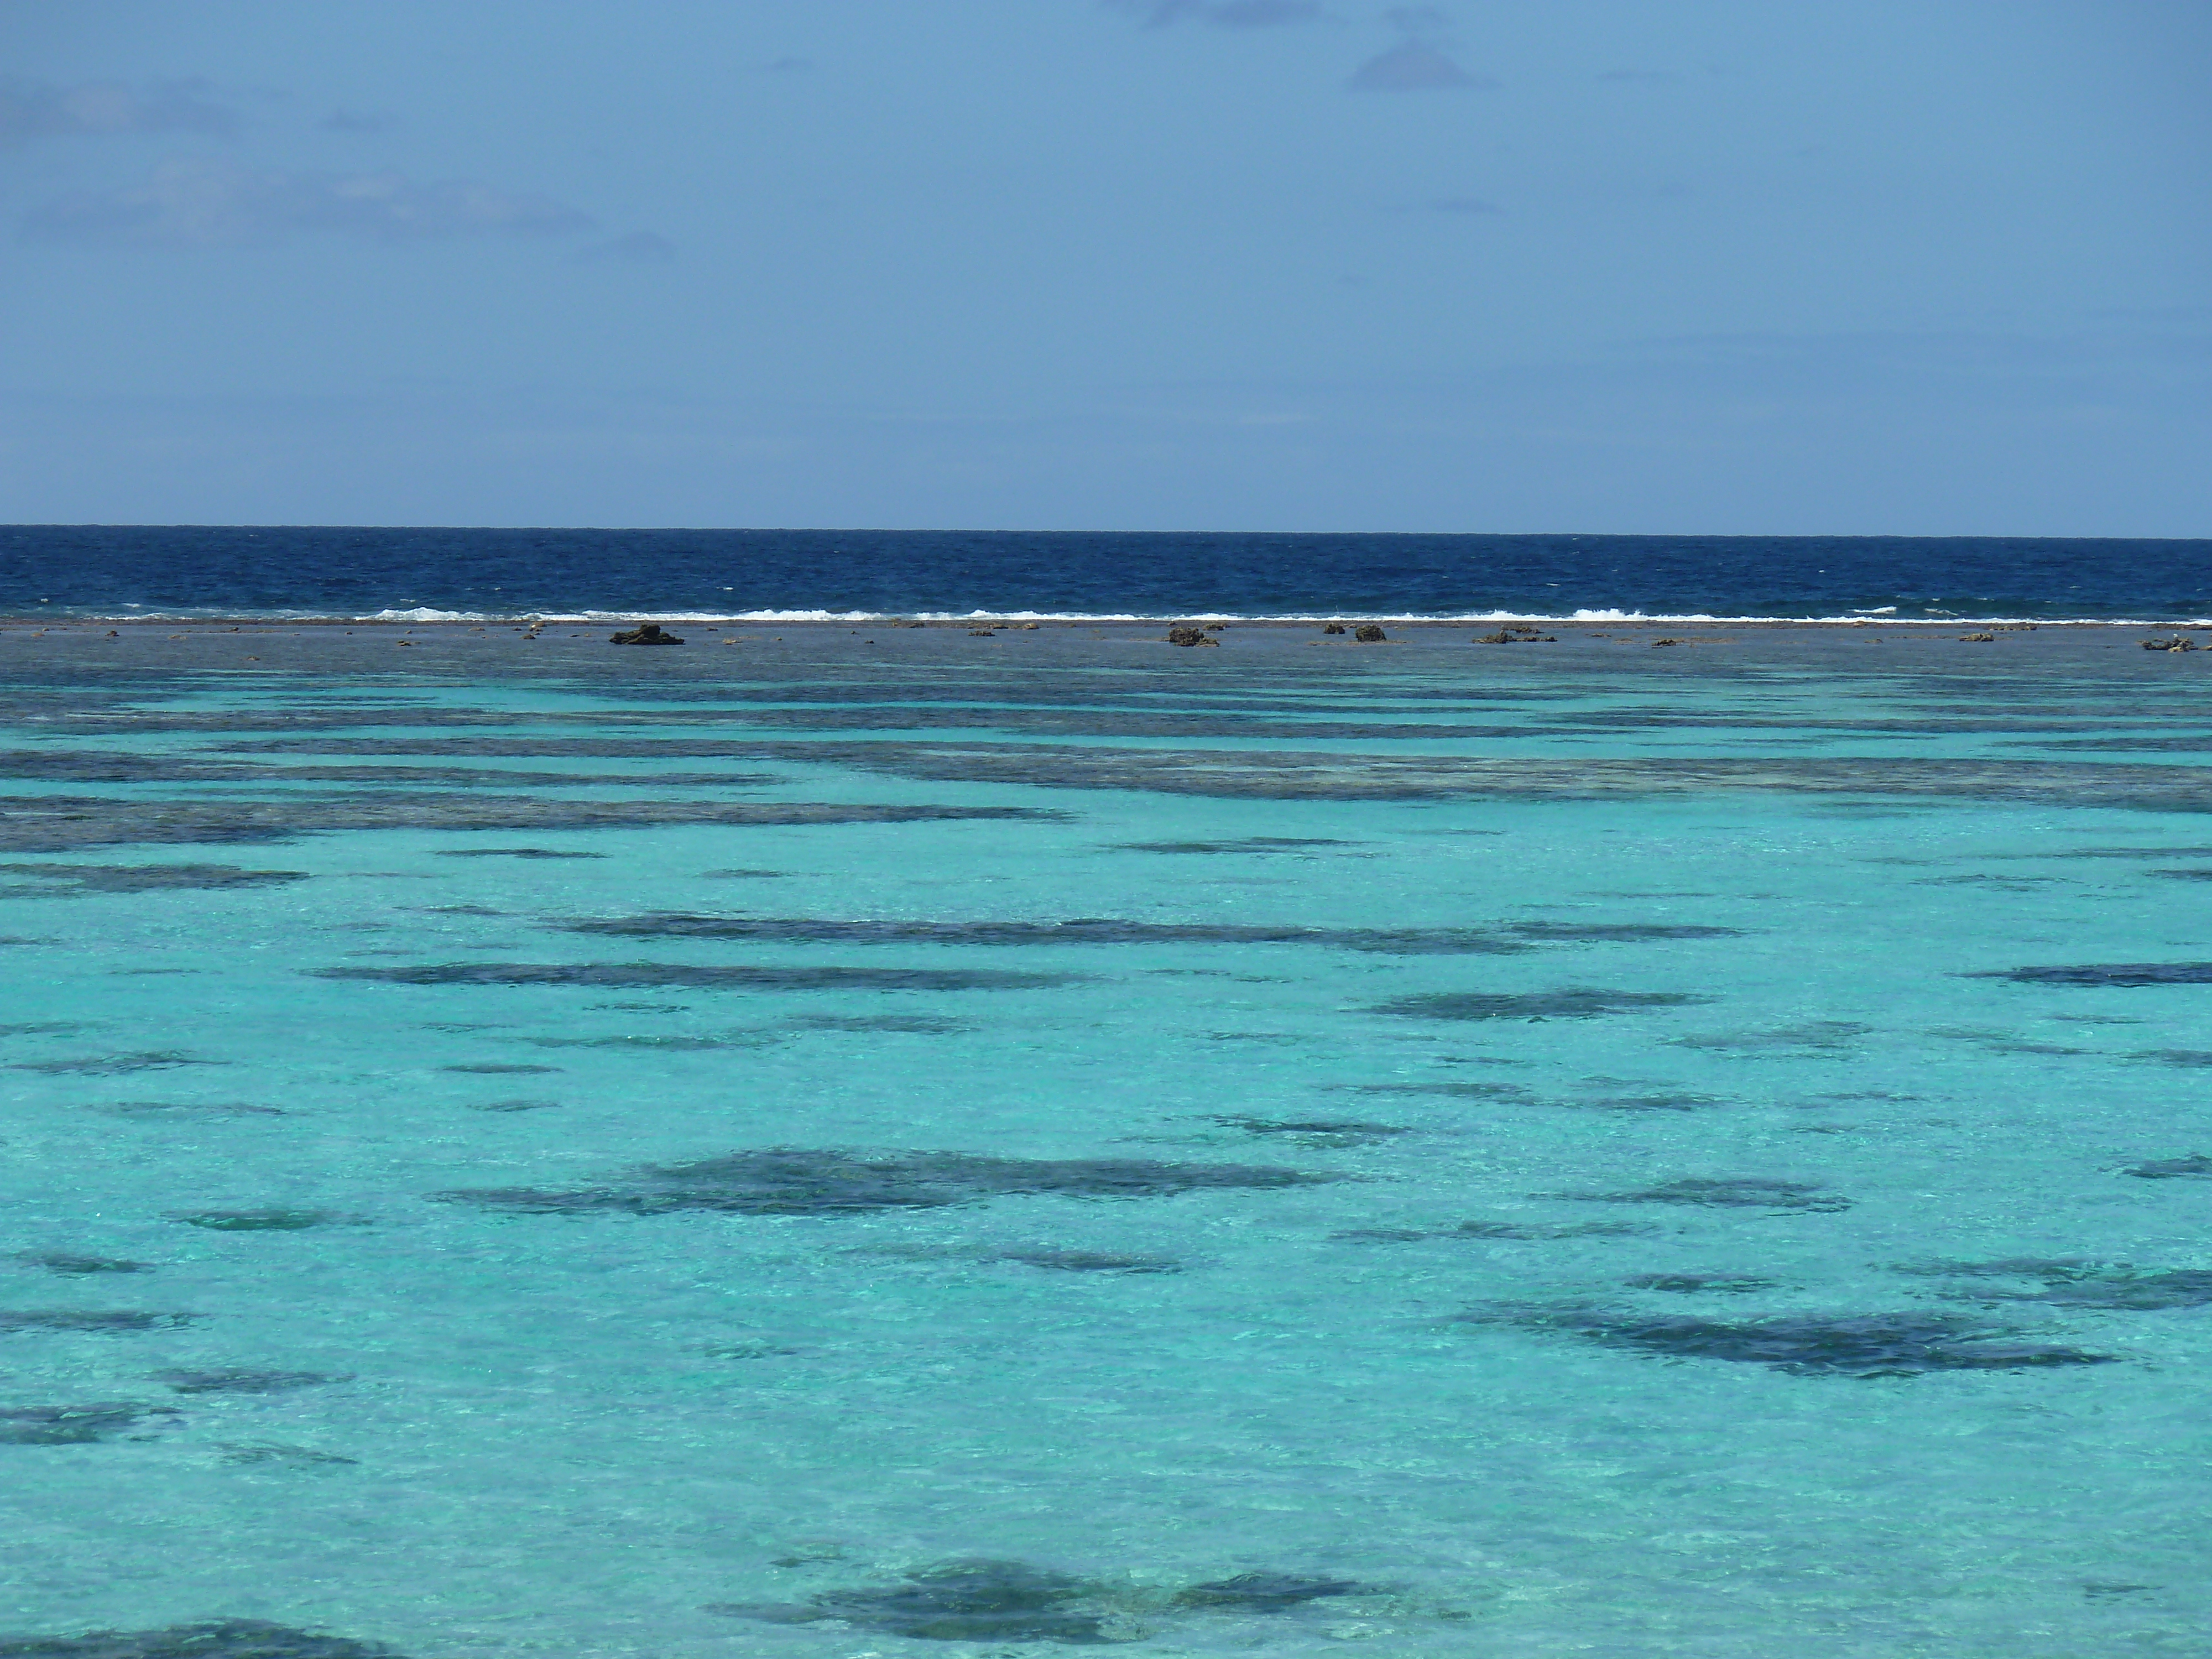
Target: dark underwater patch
[
  {"x": 2112, "y": 1286},
  {"x": 2195, "y": 1165},
  {"x": 1742, "y": 1191},
  {"x": 269, "y": 1455},
  {"x": 1817, "y": 1034},
  {"x": 1570, "y": 1004},
  {"x": 225, "y": 1638},
  {"x": 609, "y": 976},
  {"x": 61, "y": 1261},
  {"x": 161, "y": 1109},
  {"x": 1248, "y": 844},
  {"x": 238, "y": 1381},
  {"x": 1450, "y": 1091},
  {"x": 985, "y": 1601},
  {"x": 670, "y": 1043},
  {"x": 1861, "y": 1346},
  {"x": 914, "y": 1024},
  {"x": 512, "y": 1105},
  {"x": 974, "y": 1601},
  {"x": 1086, "y": 930},
  {"x": 1604, "y": 933},
  {"x": 802, "y": 1181},
  {"x": 2189, "y": 1059},
  {"x": 150, "y": 877},
  {"x": 514, "y": 852},
  {"x": 1515, "y": 1230},
  {"x": 1091, "y": 1261},
  {"x": 258, "y": 1221},
  {"x": 45, "y": 1028},
  {"x": 1317, "y": 1132},
  {"x": 51, "y": 823},
  {"x": 2108, "y": 974},
  {"x": 69, "y": 1425},
  {"x": 492, "y": 1068},
  {"x": 1700, "y": 1284},
  {"x": 111, "y": 1323},
  {"x": 113, "y": 1064},
  {"x": 1267, "y": 1592},
  {"x": 1652, "y": 1103}
]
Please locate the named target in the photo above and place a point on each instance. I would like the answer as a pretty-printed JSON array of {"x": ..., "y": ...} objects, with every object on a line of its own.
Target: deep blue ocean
[
  {"x": 48, "y": 570},
  {"x": 1622, "y": 1138}
]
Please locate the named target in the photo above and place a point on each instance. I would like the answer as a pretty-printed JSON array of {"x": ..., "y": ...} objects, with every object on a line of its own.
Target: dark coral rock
[
  {"x": 113, "y": 1064},
  {"x": 1602, "y": 932},
  {"x": 623, "y": 975},
  {"x": 975, "y": 1601},
  {"x": 644, "y": 633},
  {"x": 1188, "y": 636},
  {"x": 2113, "y": 1286},
  {"x": 70, "y": 1425},
  {"x": 1699, "y": 1284},
  {"x": 95, "y": 1323},
  {"x": 61, "y": 1261},
  {"x": 1862, "y": 1345},
  {"x": 1570, "y": 1004},
  {"x": 1267, "y": 1592},
  {"x": 1333, "y": 628},
  {"x": 1317, "y": 1132},
  {"x": 799, "y": 1181},
  {"x": 1091, "y": 1261},
  {"x": 1369, "y": 634},
  {"x": 153, "y": 877},
  {"x": 2113, "y": 973},
  {"x": 2196, "y": 1164},
  {"x": 228, "y": 1638},
  {"x": 1742, "y": 1192},
  {"x": 511, "y": 853},
  {"x": 1080, "y": 930},
  {"x": 257, "y": 1221},
  {"x": 240, "y": 1381}
]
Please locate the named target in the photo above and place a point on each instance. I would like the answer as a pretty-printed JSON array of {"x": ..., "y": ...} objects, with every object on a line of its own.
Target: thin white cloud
[
  {"x": 199, "y": 204},
  {"x": 1413, "y": 66},
  {"x": 350, "y": 120},
  {"x": 39, "y": 109},
  {"x": 640, "y": 247},
  {"x": 1223, "y": 14}
]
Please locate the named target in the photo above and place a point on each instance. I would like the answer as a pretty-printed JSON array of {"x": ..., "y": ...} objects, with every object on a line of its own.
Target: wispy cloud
[
  {"x": 39, "y": 109},
  {"x": 198, "y": 204},
  {"x": 1421, "y": 61},
  {"x": 1223, "y": 14},
  {"x": 352, "y": 120},
  {"x": 640, "y": 247},
  {"x": 1413, "y": 66},
  {"x": 1652, "y": 77}
]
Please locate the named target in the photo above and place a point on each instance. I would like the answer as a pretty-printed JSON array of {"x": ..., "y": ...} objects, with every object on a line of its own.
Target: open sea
[{"x": 1658, "y": 1108}]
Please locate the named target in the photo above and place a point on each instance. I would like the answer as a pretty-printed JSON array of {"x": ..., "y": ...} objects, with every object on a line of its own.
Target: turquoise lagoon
[{"x": 926, "y": 1144}]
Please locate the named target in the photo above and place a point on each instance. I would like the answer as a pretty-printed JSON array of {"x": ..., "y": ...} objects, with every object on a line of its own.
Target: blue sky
[{"x": 1702, "y": 266}]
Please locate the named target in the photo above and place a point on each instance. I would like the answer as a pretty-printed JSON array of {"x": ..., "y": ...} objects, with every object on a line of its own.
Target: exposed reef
[
  {"x": 1735, "y": 1193},
  {"x": 70, "y": 1425},
  {"x": 1568, "y": 1004},
  {"x": 1860, "y": 1346},
  {"x": 801, "y": 1180},
  {"x": 227, "y": 1638},
  {"x": 612, "y": 975}
]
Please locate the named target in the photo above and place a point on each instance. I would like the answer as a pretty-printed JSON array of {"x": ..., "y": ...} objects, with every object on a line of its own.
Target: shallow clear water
[{"x": 1703, "y": 1243}]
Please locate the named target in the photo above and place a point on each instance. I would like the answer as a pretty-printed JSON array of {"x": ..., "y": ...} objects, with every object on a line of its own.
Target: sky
[{"x": 1910, "y": 267}]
